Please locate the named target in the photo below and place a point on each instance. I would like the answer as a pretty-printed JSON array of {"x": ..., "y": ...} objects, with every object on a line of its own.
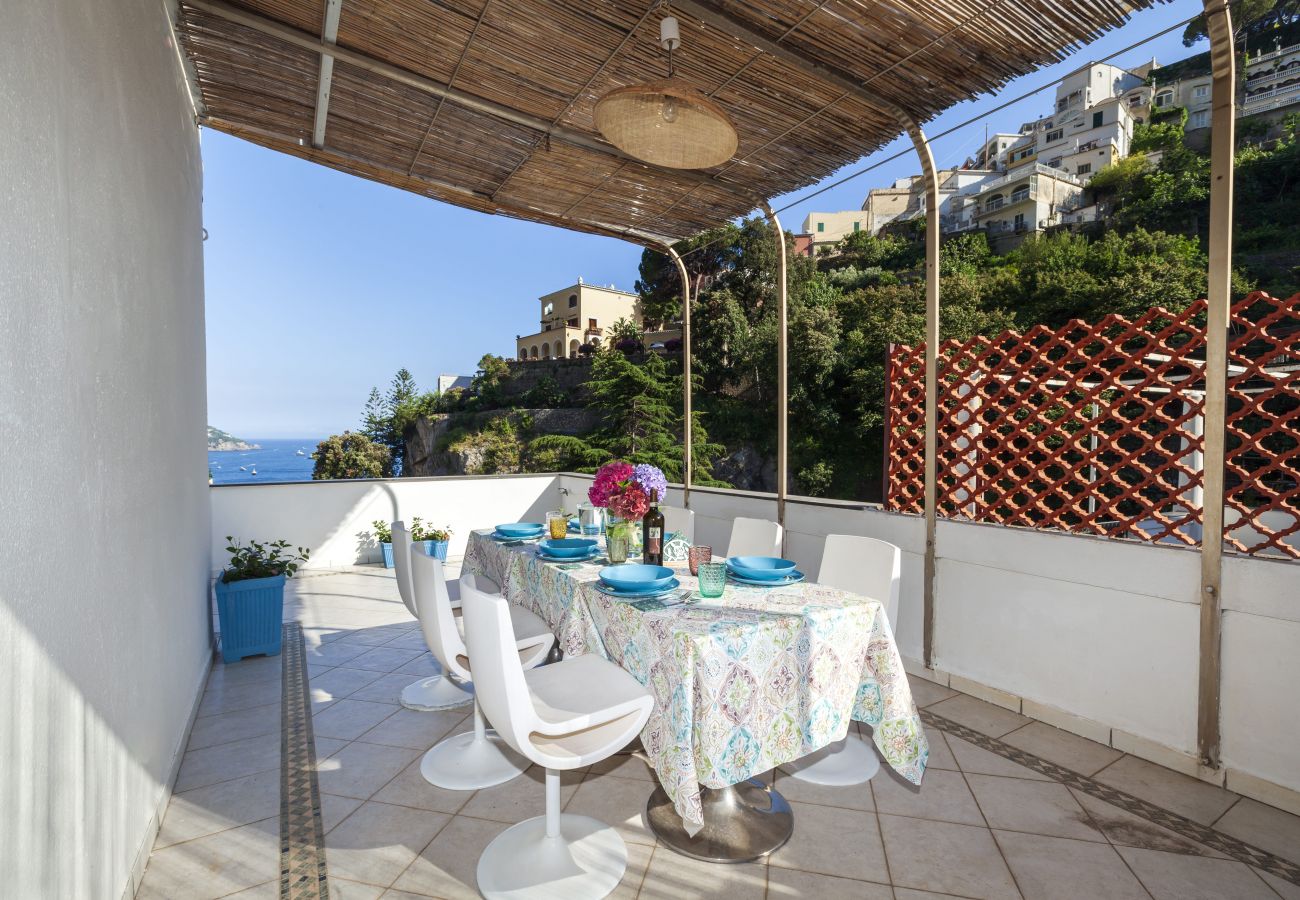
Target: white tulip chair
[
  {"x": 479, "y": 758},
  {"x": 755, "y": 537},
  {"x": 563, "y": 716},
  {"x": 436, "y": 691},
  {"x": 679, "y": 520},
  {"x": 869, "y": 567}
]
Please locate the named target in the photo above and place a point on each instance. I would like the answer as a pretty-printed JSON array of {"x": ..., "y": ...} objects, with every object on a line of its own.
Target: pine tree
[{"x": 637, "y": 401}]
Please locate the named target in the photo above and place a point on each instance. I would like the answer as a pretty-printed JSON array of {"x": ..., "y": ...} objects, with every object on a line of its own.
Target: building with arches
[{"x": 576, "y": 315}]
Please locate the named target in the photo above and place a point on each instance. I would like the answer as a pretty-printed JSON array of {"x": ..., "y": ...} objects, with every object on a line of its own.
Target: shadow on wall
[
  {"x": 334, "y": 519},
  {"x": 65, "y": 733}
]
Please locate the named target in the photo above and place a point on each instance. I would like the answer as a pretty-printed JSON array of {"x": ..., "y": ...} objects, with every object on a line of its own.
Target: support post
[
  {"x": 1218, "y": 22},
  {"x": 931, "y": 179},
  {"x": 782, "y": 372},
  {"x": 687, "y": 419},
  {"x": 329, "y": 33}
]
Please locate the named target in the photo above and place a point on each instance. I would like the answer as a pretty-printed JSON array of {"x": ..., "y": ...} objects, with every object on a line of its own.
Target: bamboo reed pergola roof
[{"x": 487, "y": 104}]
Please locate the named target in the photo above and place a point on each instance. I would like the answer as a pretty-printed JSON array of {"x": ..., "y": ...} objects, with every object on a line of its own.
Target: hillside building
[{"x": 576, "y": 315}]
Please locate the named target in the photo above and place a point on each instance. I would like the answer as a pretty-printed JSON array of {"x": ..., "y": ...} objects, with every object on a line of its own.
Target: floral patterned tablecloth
[{"x": 742, "y": 684}]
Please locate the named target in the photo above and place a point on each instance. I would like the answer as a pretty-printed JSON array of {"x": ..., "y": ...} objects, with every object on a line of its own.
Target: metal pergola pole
[
  {"x": 782, "y": 374},
  {"x": 1218, "y": 22},
  {"x": 931, "y": 177},
  {"x": 687, "y": 421}
]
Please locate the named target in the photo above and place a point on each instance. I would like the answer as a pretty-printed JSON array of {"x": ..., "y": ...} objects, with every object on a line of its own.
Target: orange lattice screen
[{"x": 1096, "y": 428}]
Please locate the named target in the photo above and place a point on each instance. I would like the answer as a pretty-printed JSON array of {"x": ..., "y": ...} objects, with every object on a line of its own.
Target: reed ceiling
[{"x": 811, "y": 86}]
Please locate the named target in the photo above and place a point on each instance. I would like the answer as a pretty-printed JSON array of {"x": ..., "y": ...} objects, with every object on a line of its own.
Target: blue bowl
[
  {"x": 636, "y": 577},
  {"x": 521, "y": 529},
  {"x": 761, "y": 568},
  {"x": 568, "y": 548}
]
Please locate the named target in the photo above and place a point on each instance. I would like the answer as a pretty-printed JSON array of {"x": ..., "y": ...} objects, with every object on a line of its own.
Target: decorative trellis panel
[{"x": 1096, "y": 428}]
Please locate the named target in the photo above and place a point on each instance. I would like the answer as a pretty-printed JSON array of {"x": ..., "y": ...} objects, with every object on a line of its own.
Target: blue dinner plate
[
  {"x": 793, "y": 578},
  {"x": 506, "y": 538},
  {"x": 569, "y": 548},
  {"x": 543, "y": 555},
  {"x": 636, "y": 576},
  {"x": 672, "y": 585},
  {"x": 521, "y": 529},
  {"x": 759, "y": 568}
]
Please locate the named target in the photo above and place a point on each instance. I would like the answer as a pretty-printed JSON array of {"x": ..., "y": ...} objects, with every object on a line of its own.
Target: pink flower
[
  {"x": 633, "y": 503},
  {"x": 608, "y": 482}
]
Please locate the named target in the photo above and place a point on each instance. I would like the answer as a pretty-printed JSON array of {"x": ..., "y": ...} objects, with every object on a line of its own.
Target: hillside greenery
[{"x": 847, "y": 308}]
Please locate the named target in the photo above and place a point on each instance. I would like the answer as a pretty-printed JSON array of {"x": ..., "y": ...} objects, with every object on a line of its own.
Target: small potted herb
[
  {"x": 250, "y": 596},
  {"x": 434, "y": 539},
  {"x": 383, "y": 534}
]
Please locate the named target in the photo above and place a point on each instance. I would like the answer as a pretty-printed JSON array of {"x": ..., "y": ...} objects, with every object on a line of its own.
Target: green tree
[
  {"x": 964, "y": 254},
  {"x": 705, "y": 256},
  {"x": 623, "y": 329},
  {"x": 486, "y": 383},
  {"x": 350, "y": 455},
  {"x": 636, "y": 400},
  {"x": 1249, "y": 17},
  {"x": 388, "y": 419},
  {"x": 546, "y": 394}
]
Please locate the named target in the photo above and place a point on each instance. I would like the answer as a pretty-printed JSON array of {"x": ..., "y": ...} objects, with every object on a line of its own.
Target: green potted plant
[
  {"x": 434, "y": 539},
  {"x": 383, "y": 534},
  {"x": 250, "y": 596}
]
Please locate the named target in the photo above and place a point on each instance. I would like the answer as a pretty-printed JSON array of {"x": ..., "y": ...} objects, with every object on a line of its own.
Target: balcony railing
[{"x": 1270, "y": 99}]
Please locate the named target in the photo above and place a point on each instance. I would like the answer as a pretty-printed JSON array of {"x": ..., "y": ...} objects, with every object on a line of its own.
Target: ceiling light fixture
[{"x": 667, "y": 122}]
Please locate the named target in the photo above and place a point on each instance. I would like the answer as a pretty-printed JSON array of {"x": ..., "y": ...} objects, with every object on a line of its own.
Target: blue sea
[{"x": 276, "y": 461}]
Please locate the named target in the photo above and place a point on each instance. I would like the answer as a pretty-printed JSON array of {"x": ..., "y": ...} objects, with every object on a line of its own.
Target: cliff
[
  {"x": 220, "y": 440},
  {"x": 488, "y": 443}
]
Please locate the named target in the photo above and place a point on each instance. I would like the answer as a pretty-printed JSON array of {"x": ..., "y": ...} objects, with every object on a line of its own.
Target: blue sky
[{"x": 321, "y": 285}]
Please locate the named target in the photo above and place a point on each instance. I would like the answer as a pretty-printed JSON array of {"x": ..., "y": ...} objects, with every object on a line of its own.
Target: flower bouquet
[{"x": 626, "y": 491}]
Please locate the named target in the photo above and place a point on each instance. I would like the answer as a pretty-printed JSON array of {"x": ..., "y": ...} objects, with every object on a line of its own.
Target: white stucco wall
[
  {"x": 333, "y": 519},
  {"x": 103, "y": 576}
]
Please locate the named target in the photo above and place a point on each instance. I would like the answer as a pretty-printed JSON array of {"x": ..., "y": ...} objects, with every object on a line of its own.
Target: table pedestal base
[{"x": 743, "y": 822}]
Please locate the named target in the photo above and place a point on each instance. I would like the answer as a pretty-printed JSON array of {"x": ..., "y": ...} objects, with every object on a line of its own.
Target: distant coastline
[
  {"x": 221, "y": 441},
  {"x": 273, "y": 460}
]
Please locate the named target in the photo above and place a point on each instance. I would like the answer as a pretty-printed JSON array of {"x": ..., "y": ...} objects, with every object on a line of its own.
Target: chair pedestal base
[
  {"x": 586, "y": 862},
  {"x": 744, "y": 822},
  {"x": 471, "y": 761},
  {"x": 850, "y": 761},
  {"x": 436, "y": 692}
]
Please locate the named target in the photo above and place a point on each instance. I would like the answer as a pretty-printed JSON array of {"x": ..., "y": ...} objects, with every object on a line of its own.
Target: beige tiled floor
[{"x": 981, "y": 825}]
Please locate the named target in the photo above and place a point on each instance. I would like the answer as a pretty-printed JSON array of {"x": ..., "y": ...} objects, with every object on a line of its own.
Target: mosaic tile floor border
[
  {"x": 302, "y": 839},
  {"x": 1157, "y": 815}
]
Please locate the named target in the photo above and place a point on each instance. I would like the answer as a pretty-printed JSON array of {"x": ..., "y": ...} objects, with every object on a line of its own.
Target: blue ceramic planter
[
  {"x": 436, "y": 549},
  {"x": 388, "y": 554},
  {"x": 250, "y": 614}
]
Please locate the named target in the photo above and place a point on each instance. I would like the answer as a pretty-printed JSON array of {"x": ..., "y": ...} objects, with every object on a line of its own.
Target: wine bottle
[{"x": 652, "y": 536}]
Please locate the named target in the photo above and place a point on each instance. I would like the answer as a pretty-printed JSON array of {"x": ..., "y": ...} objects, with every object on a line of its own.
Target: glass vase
[{"x": 618, "y": 539}]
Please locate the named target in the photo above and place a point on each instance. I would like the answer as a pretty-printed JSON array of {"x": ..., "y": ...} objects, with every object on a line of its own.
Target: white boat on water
[
  {"x": 243, "y": 468},
  {"x": 299, "y": 452},
  {"x": 254, "y": 472}
]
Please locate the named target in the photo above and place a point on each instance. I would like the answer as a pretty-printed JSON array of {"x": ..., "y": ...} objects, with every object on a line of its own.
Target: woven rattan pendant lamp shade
[{"x": 667, "y": 122}]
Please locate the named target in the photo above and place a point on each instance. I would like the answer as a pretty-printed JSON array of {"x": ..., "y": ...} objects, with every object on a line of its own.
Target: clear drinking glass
[
  {"x": 696, "y": 555},
  {"x": 713, "y": 578},
  {"x": 557, "y": 523},
  {"x": 618, "y": 540},
  {"x": 590, "y": 519}
]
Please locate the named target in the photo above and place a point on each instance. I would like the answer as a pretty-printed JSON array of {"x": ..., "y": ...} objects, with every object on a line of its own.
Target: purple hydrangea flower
[{"x": 651, "y": 479}]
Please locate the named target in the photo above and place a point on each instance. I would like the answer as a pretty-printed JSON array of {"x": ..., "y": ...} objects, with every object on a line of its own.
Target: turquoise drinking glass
[{"x": 713, "y": 578}]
